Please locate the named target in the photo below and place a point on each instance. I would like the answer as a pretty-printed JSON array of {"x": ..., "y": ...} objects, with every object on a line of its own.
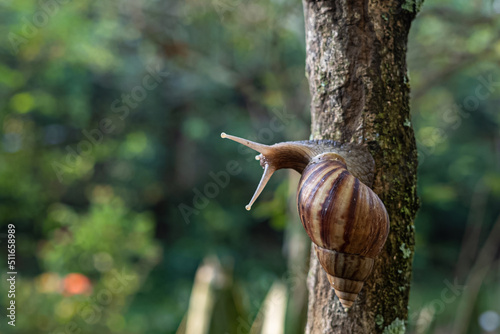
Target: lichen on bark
[{"x": 356, "y": 66}]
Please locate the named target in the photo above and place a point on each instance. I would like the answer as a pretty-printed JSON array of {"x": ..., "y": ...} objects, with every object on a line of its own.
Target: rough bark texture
[{"x": 356, "y": 66}]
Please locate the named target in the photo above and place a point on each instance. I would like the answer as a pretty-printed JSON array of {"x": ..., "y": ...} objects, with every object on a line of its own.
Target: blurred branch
[
  {"x": 485, "y": 261},
  {"x": 424, "y": 320},
  {"x": 202, "y": 296},
  {"x": 472, "y": 233},
  {"x": 271, "y": 317},
  {"x": 182, "y": 326}
]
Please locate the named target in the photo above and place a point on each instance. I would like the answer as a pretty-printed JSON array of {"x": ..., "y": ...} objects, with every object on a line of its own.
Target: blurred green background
[{"x": 110, "y": 119}]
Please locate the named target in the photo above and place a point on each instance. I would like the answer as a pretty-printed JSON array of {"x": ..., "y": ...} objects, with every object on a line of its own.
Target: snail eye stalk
[{"x": 269, "y": 169}]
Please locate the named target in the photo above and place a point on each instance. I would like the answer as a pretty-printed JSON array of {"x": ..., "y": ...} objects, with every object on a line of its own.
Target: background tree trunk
[{"x": 356, "y": 66}]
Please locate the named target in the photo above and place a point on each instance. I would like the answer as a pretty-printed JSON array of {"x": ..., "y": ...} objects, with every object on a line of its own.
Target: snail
[{"x": 345, "y": 219}]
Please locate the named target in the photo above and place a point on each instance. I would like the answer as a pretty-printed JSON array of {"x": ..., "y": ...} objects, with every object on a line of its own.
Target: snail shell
[{"x": 345, "y": 219}]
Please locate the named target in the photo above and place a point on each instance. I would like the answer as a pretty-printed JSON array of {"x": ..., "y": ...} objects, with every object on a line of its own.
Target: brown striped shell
[{"x": 345, "y": 219}]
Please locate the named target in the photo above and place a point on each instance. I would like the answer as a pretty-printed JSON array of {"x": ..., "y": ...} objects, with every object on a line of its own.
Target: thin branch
[{"x": 470, "y": 241}]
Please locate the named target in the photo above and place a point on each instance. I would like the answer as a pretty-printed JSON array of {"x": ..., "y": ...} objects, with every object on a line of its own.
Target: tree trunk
[{"x": 356, "y": 66}]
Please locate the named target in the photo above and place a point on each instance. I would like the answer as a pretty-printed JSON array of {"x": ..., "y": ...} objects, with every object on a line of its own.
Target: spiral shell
[{"x": 346, "y": 221}]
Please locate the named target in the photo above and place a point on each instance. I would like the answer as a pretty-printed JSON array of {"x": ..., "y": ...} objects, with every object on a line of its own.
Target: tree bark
[{"x": 356, "y": 67}]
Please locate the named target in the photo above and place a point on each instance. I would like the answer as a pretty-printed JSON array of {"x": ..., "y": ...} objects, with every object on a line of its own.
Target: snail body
[{"x": 344, "y": 218}]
